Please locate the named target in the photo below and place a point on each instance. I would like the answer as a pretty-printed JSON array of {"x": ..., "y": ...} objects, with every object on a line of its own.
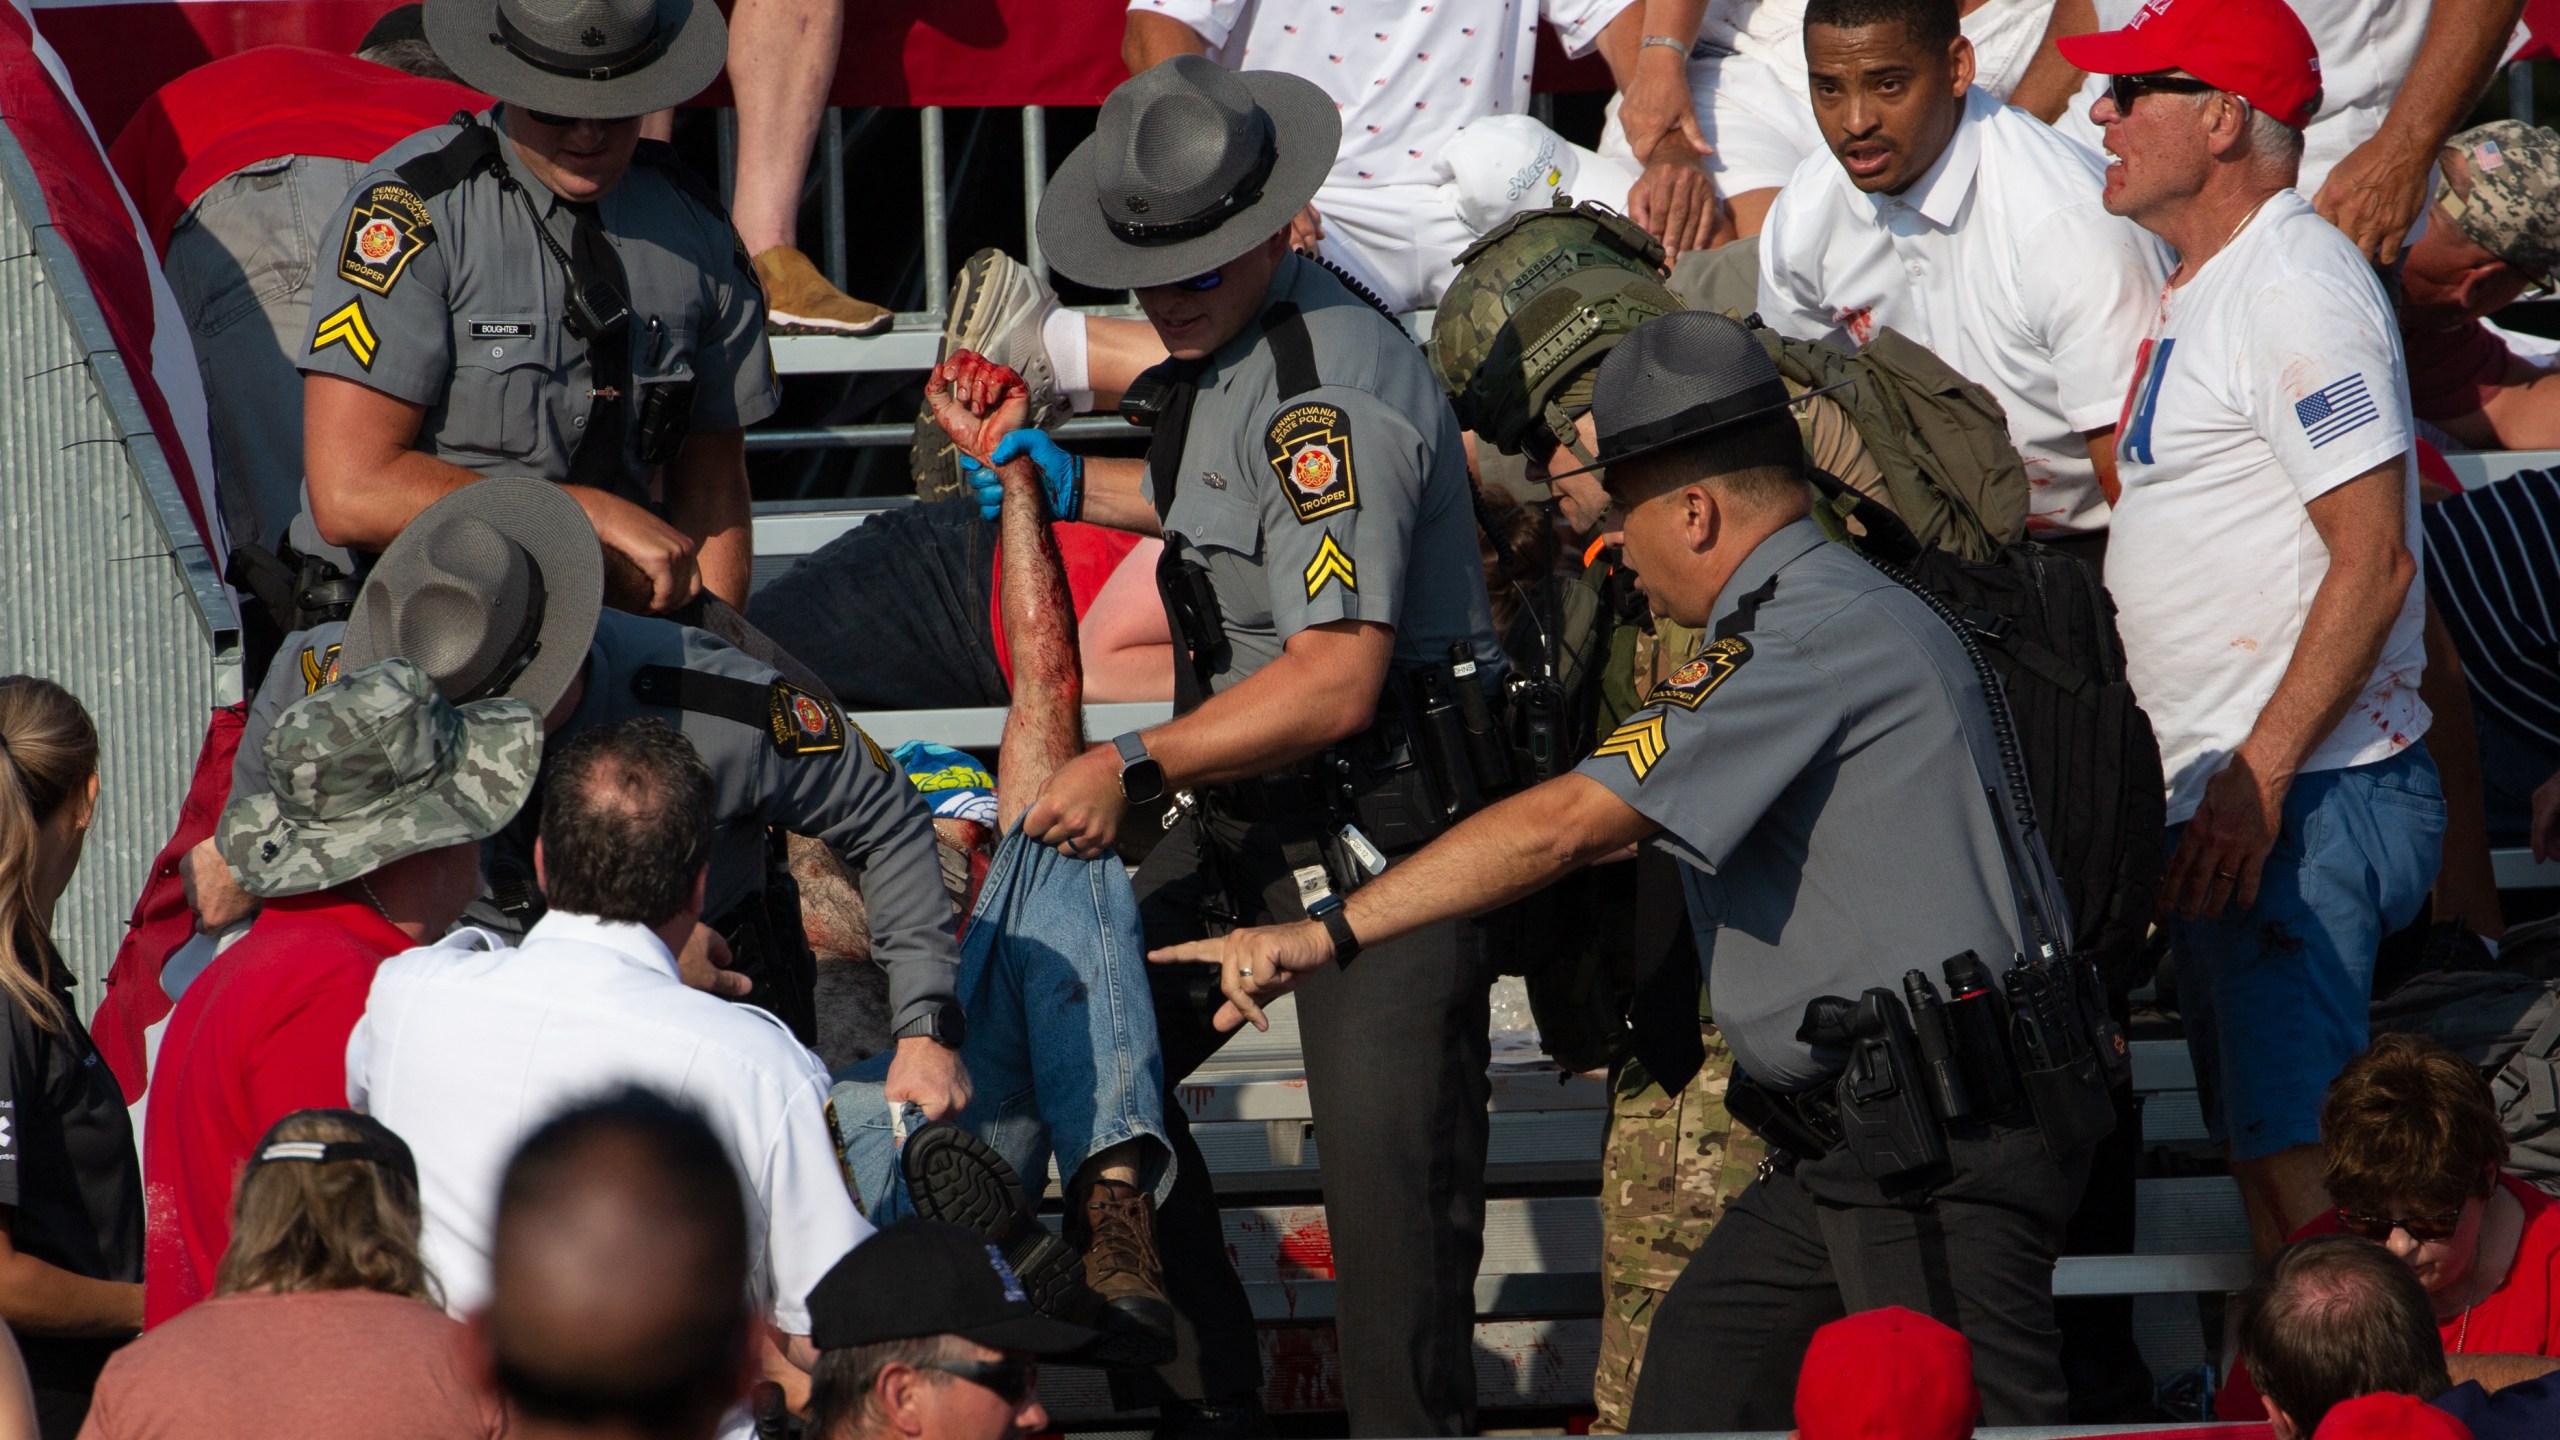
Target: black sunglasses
[
  {"x": 2125, "y": 89},
  {"x": 563, "y": 122},
  {"x": 2421, "y": 1228},
  {"x": 1011, "y": 1380},
  {"x": 1210, "y": 280}
]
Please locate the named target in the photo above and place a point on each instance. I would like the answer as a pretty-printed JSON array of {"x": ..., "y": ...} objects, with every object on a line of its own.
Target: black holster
[
  {"x": 769, "y": 945},
  {"x": 296, "y": 590}
]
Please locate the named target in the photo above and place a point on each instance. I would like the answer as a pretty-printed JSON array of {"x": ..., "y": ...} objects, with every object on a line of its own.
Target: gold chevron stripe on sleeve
[
  {"x": 1638, "y": 742},
  {"x": 1330, "y": 564},
  {"x": 347, "y": 326}
]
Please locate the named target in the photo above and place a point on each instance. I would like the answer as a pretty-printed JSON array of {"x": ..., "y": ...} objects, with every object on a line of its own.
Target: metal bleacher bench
[{"x": 1538, "y": 1291}]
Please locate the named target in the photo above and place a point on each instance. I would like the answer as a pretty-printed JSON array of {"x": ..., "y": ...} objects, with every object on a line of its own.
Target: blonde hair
[
  {"x": 299, "y": 1225},
  {"x": 48, "y": 751}
]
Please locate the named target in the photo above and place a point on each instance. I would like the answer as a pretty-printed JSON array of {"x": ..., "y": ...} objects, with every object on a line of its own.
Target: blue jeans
[
  {"x": 1062, "y": 1050},
  {"x": 2274, "y": 997}
]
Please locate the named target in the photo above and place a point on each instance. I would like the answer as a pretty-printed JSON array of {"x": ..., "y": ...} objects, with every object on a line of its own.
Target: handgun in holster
[
  {"x": 1805, "y": 1125},
  {"x": 1885, "y": 1120},
  {"x": 296, "y": 590}
]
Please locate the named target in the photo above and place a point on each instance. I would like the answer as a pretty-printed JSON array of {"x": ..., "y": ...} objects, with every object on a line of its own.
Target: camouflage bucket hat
[
  {"x": 372, "y": 769},
  {"x": 2513, "y": 210},
  {"x": 1535, "y": 305}
]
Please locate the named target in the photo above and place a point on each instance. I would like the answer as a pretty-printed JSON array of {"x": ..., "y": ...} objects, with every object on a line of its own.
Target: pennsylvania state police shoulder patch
[
  {"x": 1309, "y": 447},
  {"x": 804, "y": 724},
  {"x": 385, "y": 231},
  {"x": 1695, "y": 681}
]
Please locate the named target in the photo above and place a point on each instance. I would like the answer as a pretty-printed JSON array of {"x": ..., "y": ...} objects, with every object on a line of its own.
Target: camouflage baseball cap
[
  {"x": 372, "y": 769},
  {"x": 2513, "y": 210}
]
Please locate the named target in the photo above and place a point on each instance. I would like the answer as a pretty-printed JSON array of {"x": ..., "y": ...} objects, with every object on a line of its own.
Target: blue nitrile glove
[{"x": 1061, "y": 474}]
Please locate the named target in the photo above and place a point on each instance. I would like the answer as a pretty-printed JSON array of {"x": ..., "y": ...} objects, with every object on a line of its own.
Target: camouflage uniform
[
  {"x": 1672, "y": 1164},
  {"x": 1537, "y": 304},
  {"x": 372, "y": 769}
]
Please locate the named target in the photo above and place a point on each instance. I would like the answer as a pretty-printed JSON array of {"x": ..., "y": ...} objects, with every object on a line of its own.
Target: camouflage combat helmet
[
  {"x": 372, "y": 769},
  {"x": 1536, "y": 303}
]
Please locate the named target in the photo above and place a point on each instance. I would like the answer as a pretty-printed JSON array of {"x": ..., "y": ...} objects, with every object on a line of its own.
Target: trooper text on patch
[
  {"x": 1309, "y": 447},
  {"x": 385, "y": 231}
]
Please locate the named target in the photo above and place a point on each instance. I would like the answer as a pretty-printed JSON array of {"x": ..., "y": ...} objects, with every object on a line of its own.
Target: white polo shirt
[
  {"x": 1405, "y": 76},
  {"x": 2272, "y": 376},
  {"x": 467, "y": 1047},
  {"x": 1999, "y": 258}
]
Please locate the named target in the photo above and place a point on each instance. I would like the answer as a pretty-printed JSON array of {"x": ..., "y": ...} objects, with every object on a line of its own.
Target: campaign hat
[
  {"x": 1189, "y": 166},
  {"x": 597, "y": 59},
  {"x": 2255, "y": 49},
  {"x": 1679, "y": 378},
  {"x": 493, "y": 589}
]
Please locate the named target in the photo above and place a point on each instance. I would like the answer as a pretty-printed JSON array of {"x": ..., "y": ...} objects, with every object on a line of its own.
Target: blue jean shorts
[{"x": 2274, "y": 997}]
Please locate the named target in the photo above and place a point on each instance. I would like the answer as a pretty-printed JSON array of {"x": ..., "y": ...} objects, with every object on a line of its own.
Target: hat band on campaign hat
[
  {"x": 1700, "y": 418},
  {"x": 1244, "y": 195},
  {"x": 578, "y": 67}
]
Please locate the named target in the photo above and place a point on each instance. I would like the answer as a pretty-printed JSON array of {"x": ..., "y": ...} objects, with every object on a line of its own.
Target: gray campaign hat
[
  {"x": 1189, "y": 166},
  {"x": 374, "y": 768},
  {"x": 602, "y": 59},
  {"x": 1679, "y": 377},
  {"x": 493, "y": 589}
]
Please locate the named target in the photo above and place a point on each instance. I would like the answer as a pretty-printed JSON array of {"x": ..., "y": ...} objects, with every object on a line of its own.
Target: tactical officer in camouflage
[{"x": 1517, "y": 343}]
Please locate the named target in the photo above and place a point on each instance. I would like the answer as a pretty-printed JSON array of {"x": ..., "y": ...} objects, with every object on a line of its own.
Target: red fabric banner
[
  {"x": 88, "y": 212},
  {"x": 895, "y": 52},
  {"x": 161, "y": 921}
]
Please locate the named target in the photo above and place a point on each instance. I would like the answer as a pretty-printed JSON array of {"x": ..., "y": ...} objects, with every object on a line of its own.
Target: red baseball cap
[
  {"x": 2389, "y": 1417},
  {"x": 2256, "y": 49},
  {"x": 1890, "y": 1374}
]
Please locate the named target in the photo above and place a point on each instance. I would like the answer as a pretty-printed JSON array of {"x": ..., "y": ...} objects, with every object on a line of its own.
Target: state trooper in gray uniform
[
  {"x": 1321, "y": 572},
  {"x": 496, "y": 590},
  {"x": 535, "y": 290},
  {"x": 1835, "y": 772}
]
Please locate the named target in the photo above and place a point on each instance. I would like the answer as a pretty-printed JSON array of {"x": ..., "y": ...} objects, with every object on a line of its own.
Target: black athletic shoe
[{"x": 955, "y": 1177}]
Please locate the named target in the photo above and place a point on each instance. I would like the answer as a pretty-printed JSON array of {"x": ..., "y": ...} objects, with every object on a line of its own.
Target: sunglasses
[
  {"x": 2421, "y": 1228},
  {"x": 563, "y": 122},
  {"x": 2125, "y": 89},
  {"x": 1200, "y": 283},
  {"x": 1011, "y": 1380}
]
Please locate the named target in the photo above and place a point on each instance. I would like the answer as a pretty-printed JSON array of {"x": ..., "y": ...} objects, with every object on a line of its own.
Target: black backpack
[{"x": 2093, "y": 764}]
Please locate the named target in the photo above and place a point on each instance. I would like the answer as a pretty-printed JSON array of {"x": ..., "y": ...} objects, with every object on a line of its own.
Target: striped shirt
[{"x": 2493, "y": 569}]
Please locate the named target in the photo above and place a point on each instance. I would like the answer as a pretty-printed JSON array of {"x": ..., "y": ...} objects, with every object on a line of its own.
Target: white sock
[{"x": 1070, "y": 359}]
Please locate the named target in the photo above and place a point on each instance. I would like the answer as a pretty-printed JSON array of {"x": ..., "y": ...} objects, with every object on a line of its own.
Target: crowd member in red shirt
[
  {"x": 367, "y": 845},
  {"x": 2495, "y": 235},
  {"x": 2414, "y": 1156},
  {"x": 236, "y": 166},
  {"x": 326, "y": 1321}
]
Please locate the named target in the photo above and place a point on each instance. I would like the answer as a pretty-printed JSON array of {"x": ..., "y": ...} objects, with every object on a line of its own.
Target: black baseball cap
[{"x": 923, "y": 1277}]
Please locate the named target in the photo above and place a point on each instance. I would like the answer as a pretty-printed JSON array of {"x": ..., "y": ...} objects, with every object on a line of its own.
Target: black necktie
[{"x": 598, "y": 461}]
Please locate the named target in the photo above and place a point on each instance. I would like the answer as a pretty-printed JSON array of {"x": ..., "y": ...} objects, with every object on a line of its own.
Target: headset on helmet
[{"x": 1535, "y": 305}]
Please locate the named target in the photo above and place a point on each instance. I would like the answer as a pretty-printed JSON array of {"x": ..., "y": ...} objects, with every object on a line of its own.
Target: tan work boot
[
  {"x": 1117, "y": 1225},
  {"x": 799, "y": 301}
]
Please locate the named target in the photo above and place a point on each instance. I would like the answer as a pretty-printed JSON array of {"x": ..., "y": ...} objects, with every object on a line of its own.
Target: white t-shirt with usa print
[{"x": 2271, "y": 377}]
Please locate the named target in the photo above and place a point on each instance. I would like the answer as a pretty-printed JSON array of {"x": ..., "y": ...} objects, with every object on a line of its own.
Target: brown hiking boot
[
  {"x": 1117, "y": 1226},
  {"x": 799, "y": 301}
]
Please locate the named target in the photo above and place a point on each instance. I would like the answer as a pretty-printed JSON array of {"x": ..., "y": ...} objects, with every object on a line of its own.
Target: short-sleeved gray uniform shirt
[
  {"x": 840, "y": 788},
  {"x": 1820, "y": 771},
  {"x": 1347, "y": 502},
  {"x": 450, "y": 300}
]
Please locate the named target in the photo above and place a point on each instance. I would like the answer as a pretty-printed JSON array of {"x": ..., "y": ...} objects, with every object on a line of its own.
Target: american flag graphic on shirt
[{"x": 2335, "y": 409}]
